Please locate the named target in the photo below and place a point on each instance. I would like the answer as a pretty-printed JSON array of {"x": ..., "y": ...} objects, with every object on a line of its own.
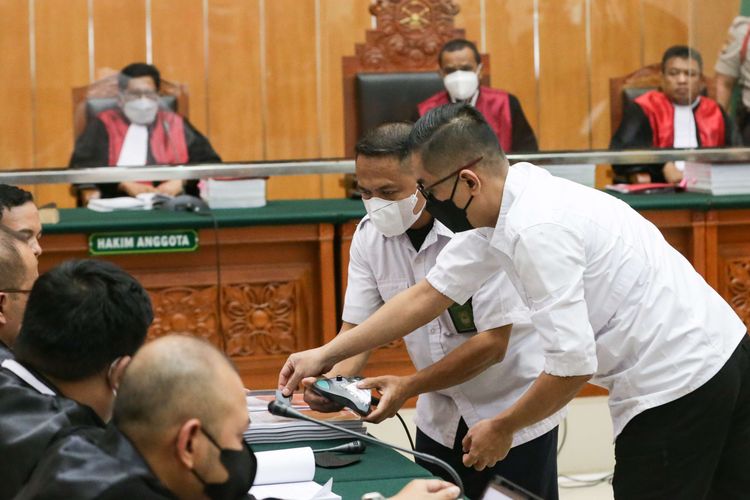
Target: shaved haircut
[
  {"x": 171, "y": 380},
  {"x": 453, "y": 135},
  {"x": 385, "y": 141}
]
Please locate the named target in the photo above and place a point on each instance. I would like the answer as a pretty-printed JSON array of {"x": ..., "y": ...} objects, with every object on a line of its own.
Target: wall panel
[
  {"x": 119, "y": 35},
  {"x": 61, "y": 31},
  {"x": 563, "y": 83},
  {"x": 342, "y": 25},
  {"x": 470, "y": 19},
  {"x": 665, "y": 23},
  {"x": 292, "y": 103},
  {"x": 179, "y": 51},
  {"x": 234, "y": 90},
  {"x": 614, "y": 30},
  {"x": 16, "y": 127},
  {"x": 510, "y": 44}
]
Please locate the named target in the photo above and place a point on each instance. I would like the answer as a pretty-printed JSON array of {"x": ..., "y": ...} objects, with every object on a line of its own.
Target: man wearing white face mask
[
  {"x": 461, "y": 70},
  {"x": 141, "y": 132},
  {"x": 460, "y": 378}
]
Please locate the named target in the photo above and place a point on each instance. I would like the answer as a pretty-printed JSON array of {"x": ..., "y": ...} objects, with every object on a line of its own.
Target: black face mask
[
  {"x": 240, "y": 465},
  {"x": 448, "y": 213}
]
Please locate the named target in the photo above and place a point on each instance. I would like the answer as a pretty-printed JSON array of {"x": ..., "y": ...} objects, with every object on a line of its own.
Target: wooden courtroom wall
[{"x": 265, "y": 75}]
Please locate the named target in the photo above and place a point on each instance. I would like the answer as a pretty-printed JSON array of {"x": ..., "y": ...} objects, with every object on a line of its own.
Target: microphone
[
  {"x": 356, "y": 446},
  {"x": 287, "y": 411}
]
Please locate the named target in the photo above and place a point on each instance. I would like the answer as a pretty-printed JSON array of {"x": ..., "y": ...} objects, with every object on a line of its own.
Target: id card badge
[{"x": 462, "y": 317}]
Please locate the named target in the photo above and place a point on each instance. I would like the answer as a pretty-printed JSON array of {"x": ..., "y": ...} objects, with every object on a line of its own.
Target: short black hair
[
  {"x": 459, "y": 44},
  {"x": 137, "y": 70},
  {"x": 450, "y": 135},
  {"x": 683, "y": 52},
  {"x": 13, "y": 196},
  {"x": 388, "y": 139},
  {"x": 80, "y": 317}
]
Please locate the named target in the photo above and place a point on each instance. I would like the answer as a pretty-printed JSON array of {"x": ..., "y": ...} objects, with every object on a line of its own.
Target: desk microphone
[{"x": 287, "y": 411}]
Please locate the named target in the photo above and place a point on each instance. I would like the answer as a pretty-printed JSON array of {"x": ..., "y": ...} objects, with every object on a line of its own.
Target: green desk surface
[
  {"x": 333, "y": 211},
  {"x": 381, "y": 469}
]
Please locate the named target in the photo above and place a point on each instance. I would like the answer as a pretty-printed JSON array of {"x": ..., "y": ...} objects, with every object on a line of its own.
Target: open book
[{"x": 288, "y": 474}]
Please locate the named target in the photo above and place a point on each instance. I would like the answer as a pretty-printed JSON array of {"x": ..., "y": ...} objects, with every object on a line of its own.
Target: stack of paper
[
  {"x": 718, "y": 178},
  {"x": 234, "y": 193},
  {"x": 143, "y": 201},
  {"x": 268, "y": 428},
  {"x": 289, "y": 474}
]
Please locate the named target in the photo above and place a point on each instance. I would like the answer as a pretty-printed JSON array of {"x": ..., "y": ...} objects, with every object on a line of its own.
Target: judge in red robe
[
  {"x": 676, "y": 116},
  {"x": 460, "y": 67}
]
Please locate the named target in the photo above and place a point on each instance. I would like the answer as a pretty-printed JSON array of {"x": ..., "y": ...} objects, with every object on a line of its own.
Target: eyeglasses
[
  {"x": 137, "y": 94},
  {"x": 427, "y": 191},
  {"x": 14, "y": 290}
]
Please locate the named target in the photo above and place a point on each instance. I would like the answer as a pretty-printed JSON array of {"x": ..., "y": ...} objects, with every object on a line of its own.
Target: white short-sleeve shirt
[
  {"x": 608, "y": 294},
  {"x": 380, "y": 267}
]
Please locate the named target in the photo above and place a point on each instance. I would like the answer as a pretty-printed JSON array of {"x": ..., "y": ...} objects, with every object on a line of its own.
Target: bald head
[
  {"x": 453, "y": 135},
  {"x": 174, "y": 379}
]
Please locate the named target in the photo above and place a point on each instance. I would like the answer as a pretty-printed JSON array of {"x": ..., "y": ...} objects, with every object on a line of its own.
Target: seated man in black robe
[
  {"x": 138, "y": 132},
  {"x": 18, "y": 271},
  {"x": 177, "y": 432},
  {"x": 83, "y": 321},
  {"x": 674, "y": 116}
]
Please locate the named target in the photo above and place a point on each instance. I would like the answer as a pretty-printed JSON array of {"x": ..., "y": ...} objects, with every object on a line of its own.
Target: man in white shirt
[
  {"x": 612, "y": 300},
  {"x": 463, "y": 376}
]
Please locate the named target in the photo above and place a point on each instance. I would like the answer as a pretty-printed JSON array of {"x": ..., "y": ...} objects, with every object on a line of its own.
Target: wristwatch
[{"x": 373, "y": 495}]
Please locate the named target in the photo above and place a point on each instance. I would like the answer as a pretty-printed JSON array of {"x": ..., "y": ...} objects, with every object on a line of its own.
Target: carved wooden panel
[
  {"x": 409, "y": 34},
  {"x": 188, "y": 310},
  {"x": 260, "y": 318},
  {"x": 738, "y": 287}
]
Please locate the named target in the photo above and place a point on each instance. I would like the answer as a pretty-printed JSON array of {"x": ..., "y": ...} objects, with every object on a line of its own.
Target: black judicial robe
[
  {"x": 5, "y": 352},
  {"x": 94, "y": 463},
  {"x": 29, "y": 423},
  {"x": 92, "y": 150}
]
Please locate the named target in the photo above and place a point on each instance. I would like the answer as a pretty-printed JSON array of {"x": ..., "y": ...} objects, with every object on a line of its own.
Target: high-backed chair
[
  {"x": 627, "y": 88},
  {"x": 396, "y": 67}
]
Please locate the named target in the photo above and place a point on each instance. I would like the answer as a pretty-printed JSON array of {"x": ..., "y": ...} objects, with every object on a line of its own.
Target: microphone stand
[{"x": 287, "y": 411}]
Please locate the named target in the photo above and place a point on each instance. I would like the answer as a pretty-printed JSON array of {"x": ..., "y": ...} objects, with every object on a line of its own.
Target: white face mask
[
  {"x": 141, "y": 111},
  {"x": 461, "y": 85},
  {"x": 393, "y": 217}
]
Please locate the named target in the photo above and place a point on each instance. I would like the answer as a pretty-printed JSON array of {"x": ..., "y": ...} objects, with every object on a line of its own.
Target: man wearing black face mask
[{"x": 177, "y": 433}]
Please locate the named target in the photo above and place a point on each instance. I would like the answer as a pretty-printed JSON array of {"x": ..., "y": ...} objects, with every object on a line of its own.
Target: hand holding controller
[{"x": 344, "y": 391}]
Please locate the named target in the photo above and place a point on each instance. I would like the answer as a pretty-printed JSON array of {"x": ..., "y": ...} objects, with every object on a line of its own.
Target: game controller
[{"x": 344, "y": 391}]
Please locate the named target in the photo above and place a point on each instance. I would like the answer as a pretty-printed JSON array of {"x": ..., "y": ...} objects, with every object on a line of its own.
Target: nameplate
[{"x": 182, "y": 240}]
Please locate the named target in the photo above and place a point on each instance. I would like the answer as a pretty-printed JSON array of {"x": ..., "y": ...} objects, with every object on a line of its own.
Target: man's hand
[
  {"x": 316, "y": 401},
  {"x": 672, "y": 173},
  {"x": 310, "y": 363},
  {"x": 486, "y": 443},
  {"x": 428, "y": 489},
  {"x": 394, "y": 391},
  {"x": 171, "y": 188},
  {"x": 640, "y": 178},
  {"x": 135, "y": 188}
]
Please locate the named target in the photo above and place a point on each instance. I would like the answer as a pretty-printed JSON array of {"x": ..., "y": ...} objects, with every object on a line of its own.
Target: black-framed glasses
[
  {"x": 427, "y": 191},
  {"x": 14, "y": 290}
]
